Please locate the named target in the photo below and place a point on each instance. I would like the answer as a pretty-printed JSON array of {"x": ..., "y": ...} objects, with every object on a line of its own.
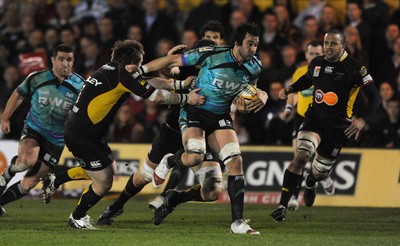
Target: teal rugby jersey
[
  {"x": 51, "y": 102},
  {"x": 220, "y": 77}
]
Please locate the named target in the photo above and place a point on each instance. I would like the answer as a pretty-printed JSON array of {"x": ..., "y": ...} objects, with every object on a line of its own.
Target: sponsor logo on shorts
[
  {"x": 335, "y": 152},
  {"x": 95, "y": 164}
]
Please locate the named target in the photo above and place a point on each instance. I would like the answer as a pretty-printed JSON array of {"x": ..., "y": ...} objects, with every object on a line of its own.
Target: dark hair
[
  {"x": 335, "y": 31},
  {"x": 213, "y": 26},
  {"x": 314, "y": 43},
  {"x": 127, "y": 52},
  {"x": 245, "y": 28},
  {"x": 62, "y": 48}
]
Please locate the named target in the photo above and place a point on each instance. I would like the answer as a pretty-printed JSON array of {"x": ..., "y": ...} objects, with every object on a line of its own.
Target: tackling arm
[
  {"x": 171, "y": 84},
  {"x": 167, "y": 97},
  {"x": 168, "y": 61}
]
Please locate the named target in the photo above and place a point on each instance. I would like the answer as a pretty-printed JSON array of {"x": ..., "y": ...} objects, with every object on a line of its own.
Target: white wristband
[
  {"x": 183, "y": 99},
  {"x": 178, "y": 84},
  {"x": 143, "y": 70},
  {"x": 288, "y": 108}
]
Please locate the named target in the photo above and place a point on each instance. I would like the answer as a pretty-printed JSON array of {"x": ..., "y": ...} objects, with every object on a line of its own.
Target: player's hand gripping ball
[{"x": 248, "y": 93}]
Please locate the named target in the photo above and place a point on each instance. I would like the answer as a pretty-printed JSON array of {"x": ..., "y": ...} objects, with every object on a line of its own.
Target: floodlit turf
[{"x": 31, "y": 222}]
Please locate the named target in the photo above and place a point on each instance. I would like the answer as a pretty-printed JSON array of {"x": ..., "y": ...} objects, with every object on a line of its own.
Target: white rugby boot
[{"x": 161, "y": 172}]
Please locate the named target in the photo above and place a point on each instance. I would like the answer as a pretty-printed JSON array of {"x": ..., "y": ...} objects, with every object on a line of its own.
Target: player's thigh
[
  {"x": 193, "y": 138},
  {"x": 221, "y": 139},
  {"x": 28, "y": 150}
]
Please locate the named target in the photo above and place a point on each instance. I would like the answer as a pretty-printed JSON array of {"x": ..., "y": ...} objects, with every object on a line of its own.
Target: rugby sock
[
  {"x": 236, "y": 195},
  {"x": 88, "y": 199},
  {"x": 298, "y": 188},
  {"x": 290, "y": 182},
  {"x": 129, "y": 191},
  {"x": 8, "y": 174},
  {"x": 310, "y": 180},
  {"x": 297, "y": 191},
  {"x": 13, "y": 193},
  {"x": 75, "y": 173},
  {"x": 192, "y": 194},
  {"x": 175, "y": 177}
]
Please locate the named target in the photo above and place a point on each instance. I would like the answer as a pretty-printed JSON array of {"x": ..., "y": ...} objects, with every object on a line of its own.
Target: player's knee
[
  {"x": 28, "y": 183},
  {"x": 210, "y": 179},
  {"x": 321, "y": 168},
  {"x": 230, "y": 153},
  {"x": 302, "y": 158},
  {"x": 211, "y": 188},
  {"x": 23, "y": 163},
  {"x": 144, "y": 175},
  {"x": 235, "y": 165},
  {"x": 106, "y": 187},
  {"x": 306, "y": 145},
  {"x": 194, "y": 152},
  {"x": 193, "y": 159}
]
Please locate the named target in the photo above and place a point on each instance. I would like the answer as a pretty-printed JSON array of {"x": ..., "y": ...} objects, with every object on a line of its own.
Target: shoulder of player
[
  {"x": 354, "y": 64},
  {"x": 254, "y": 62},
  {"x": 39, "y": 74},
  {"x": 76, "y": 78}
]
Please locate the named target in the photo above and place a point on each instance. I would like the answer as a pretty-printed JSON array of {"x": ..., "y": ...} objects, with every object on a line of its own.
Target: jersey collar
[{"x": 343, "y": 56}]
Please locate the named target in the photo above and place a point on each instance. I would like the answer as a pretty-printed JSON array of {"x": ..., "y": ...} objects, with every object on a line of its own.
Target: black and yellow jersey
[
  {"x": 336, "y": 85},
  {"x": 101, "y": 96},
  {"x": 305, "y": 97}
]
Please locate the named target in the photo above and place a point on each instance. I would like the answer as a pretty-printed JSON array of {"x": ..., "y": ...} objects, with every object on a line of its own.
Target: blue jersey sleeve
[{"x": 26, "y": 87}]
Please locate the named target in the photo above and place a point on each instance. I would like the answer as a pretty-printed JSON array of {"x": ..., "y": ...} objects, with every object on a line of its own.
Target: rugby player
[
  {"x": 101, "y": 96},
  {"x": 301, "y": 100},
  {"x": 52, "y": 94},
  {"x": 224, "y": 73},
  {"x": 337, "y": 78}
]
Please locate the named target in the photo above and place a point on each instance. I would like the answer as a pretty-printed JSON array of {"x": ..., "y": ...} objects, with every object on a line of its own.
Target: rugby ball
[{"x": 248, "y": 93}]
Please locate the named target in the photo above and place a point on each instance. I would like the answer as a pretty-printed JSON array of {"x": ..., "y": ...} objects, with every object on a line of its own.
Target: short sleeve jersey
[
  {"x": 101, "y": 96},
  {"x": 221, "y": 77},
  {"x": 50, "y": 102},
  {"x": 305, "y": 97},
  {"x": 336, "y": 85}
]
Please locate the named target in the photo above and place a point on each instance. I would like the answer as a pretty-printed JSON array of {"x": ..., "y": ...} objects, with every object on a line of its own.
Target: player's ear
[{"x": 344, "y": 45}]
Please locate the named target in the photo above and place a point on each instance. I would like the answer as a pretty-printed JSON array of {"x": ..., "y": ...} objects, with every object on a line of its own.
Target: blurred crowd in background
[{"x": 31, "y": 29}]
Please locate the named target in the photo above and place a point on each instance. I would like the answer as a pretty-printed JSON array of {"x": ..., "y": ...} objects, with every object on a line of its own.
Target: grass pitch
[{"x": 30, "y": 222}]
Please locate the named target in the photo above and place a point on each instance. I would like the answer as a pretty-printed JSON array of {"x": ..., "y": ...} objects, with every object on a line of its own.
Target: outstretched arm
[
  {"x": 168, "y": 61},
  {"x": 167, "y": 97},
  {"x": 171, "y": 84}
]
